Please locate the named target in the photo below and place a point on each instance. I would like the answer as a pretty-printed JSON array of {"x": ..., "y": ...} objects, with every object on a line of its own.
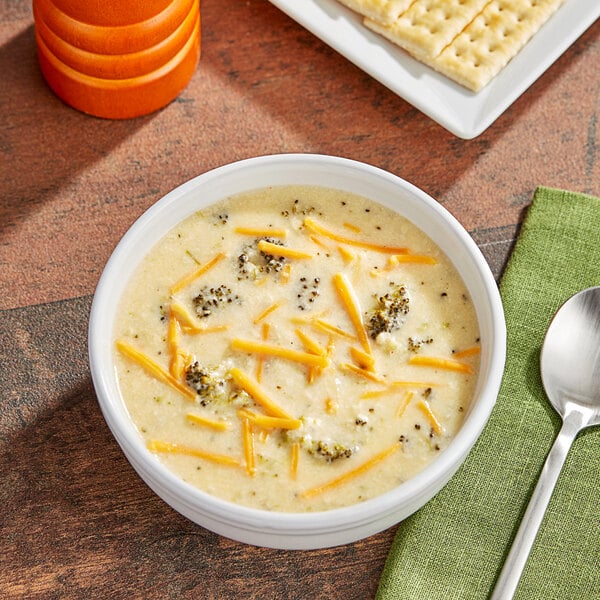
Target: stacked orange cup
[{"x": 117, "y": 59}]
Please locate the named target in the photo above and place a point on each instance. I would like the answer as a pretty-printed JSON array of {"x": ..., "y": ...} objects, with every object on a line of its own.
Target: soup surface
[{"x": 296, "y": 349}]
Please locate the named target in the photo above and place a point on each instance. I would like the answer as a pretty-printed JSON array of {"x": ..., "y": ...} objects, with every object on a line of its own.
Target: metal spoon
[{"x": 570, "y": 367}]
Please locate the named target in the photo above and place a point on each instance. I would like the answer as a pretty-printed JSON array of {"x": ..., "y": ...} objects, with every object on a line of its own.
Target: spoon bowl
[
  {"x": 570, "y": 357},
  {"x": 570, "y": 367}
]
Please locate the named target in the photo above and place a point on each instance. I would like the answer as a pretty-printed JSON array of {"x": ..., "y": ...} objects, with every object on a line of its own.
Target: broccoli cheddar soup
[{"x": 296, "y": 349}]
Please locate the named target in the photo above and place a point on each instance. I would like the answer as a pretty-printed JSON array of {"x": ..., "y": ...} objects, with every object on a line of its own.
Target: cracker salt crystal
[
  {"x": 492, "y": 39},
  {"x": 380, "y": 11},
  {"x": 428, "y": 26}
]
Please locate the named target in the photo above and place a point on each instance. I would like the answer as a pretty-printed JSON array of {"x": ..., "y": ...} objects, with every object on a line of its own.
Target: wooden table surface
[{"x": 76, "y": 521}]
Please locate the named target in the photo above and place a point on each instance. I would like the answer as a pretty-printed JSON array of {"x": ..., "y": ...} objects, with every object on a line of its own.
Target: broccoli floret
[
  {"x": 209, "y": 386},
  {"x": 325, "y": 450},
  {"x": 210, "y": 298},
  {"x": 330, "y": 451},
  {"x": 388, "y": 315},
  {"x": 414, "y": 344},
  {"x": 246, "y": 268},
  {"x": 240, "y": 398}
]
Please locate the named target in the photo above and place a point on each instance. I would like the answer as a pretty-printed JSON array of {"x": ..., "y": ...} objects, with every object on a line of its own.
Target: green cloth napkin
[{"x": 455, "y": 546}]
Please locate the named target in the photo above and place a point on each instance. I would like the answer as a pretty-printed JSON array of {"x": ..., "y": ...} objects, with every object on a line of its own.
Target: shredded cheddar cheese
[
  {"x": 187, "y": 323},
  {"x": 404, "y": 404},
  {"x": 310, "y": 344},
  {"x": 472, "y": 351},
  {"x": 319, "y": 242},
  {"x": 179, "y": 362},
  {"x": 373, "y": 394},
  {"x": 277, "y": 250},
  {"x": 253, "y": 347},
  {"x": 248, "y": 444},
  {"x": 258, "y": 394},
  {"x": 180, "y": 358},
  {"x": 265, "y": 313},
  {"x": 437, "y": 362},
  {"x": 286, "y": 273},
  {"x": 362, "y": 359},
  {"x": 294, "y": 459},
  {"x": 260, "y": 362},
  {"x": 200, "y": 420},
  {"x": 352, "y": 227},
  {"x": 363, "y": 468},
  {"x": 415, "y": 384},
  {"x": 391, "y": 388},
  {"x": 350, "y": 302},
  {"x": 159, "y": 446},
  {"x": 173, "y": 333},
  {"x": 331, "y": 406},
  {"x": 423, "y": 405},
  {"x": 346, "y": 255},
  {"x": 178, "y": 312},
  {"x": 315, "y": 227},
  {"x": 154, "y": 369},
  {"x": 268, "y": 422},
  {"x": 421, "y": 259},
  {"x": 362, "y": 372},
  {"x": 329, "y": 328},
  {"x": 262, "y": 232},
  {"x": 182, "y": 283}
]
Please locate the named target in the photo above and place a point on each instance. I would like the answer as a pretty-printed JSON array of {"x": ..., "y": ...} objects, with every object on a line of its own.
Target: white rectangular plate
[{"x": 464, "y": 113}]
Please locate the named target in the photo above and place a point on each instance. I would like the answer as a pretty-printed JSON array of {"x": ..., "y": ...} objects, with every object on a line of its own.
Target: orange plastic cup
[
  {"x": 111, "y": 12},
  {"x": 113, "y": 39},
  {"x": 120, "y": 71},
  {"x": 119, "y": 66}
]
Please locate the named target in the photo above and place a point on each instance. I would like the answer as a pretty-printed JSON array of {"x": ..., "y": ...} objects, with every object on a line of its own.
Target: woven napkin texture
[{"x": 455, "y": 546}]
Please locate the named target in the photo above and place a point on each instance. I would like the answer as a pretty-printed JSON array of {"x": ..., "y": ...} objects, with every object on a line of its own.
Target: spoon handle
[{"x": 517, "y": 557}]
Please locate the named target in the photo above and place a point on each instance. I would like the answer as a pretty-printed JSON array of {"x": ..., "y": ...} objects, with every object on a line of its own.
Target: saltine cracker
[
  {"x": 428, "y": 26},
  {"x": 493, "y": 38},
  {"x": 381, "y": 11},
  {"x": 468, "y": 41}
]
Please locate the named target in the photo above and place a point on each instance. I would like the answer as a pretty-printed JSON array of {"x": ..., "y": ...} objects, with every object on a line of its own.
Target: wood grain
[{"x": 76, "y": 521}]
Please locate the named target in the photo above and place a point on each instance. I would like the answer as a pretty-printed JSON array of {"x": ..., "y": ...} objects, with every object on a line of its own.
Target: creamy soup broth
[{"x": 384, "y": 333}]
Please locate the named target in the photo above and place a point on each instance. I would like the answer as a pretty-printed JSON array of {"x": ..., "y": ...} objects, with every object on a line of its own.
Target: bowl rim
[{"x": 159, "y": 477}]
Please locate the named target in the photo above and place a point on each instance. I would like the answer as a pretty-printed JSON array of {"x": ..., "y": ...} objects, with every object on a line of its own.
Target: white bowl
[{"x": 297, "y": 530}]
